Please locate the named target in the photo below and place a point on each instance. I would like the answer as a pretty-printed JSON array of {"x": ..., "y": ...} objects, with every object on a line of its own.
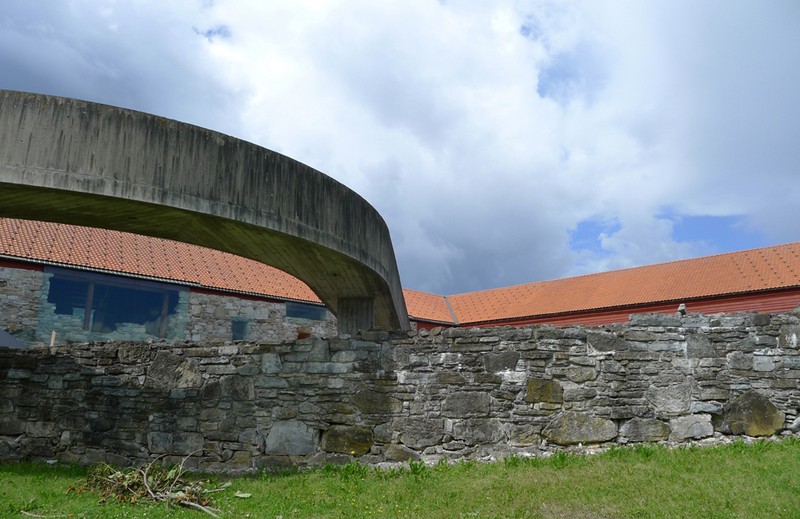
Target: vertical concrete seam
[{"x": 452, "y": 313}]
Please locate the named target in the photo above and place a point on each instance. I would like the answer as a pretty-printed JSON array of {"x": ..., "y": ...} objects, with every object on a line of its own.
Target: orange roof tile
[
  {"x": 733, "y": 273},
  {"x": 428, "y": 307},
  {"x": 115, "y": 251}
]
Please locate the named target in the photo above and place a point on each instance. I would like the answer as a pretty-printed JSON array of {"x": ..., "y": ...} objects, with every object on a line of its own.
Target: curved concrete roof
[{"x": 69, "y": 161}]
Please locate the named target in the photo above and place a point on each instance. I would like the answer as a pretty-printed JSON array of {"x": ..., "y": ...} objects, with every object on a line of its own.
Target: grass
[{"x": 736, "y": 480}]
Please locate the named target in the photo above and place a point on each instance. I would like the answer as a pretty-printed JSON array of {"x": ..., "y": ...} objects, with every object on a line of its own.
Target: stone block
[
  {"x": 326, "y": 367},
  {"x": 18, "y": 374},
  {"x": 655, "y": 320},
  {"x": 763, "y": 363},
  {"x": 670, "y": 401},
  {"x": 605, "y": 341},
  {"x": 353, "y": 440},
  {"x": 467, "y": 347},
  {"x": 465, "y": 404},
  {"x": 134, "y": 353},
  {"x": 373, "y": 402},
  {"x": 477, "y": 431},
  {"x": 544, "y": 390},
  {"x": 396, "y": 453},
  {"x": 11, "y": 427},
  {"x": 100, "y": 422},
  {"x": 698, "y": 346},
  {"x": 612, "y": 366},
  {"x": 419, "y": 433},
  {"x": 579, "y": 374},
  {"x": 450, "y": 378},
  {"x": 712, "y": 408},
  {"x": 524, "y": 435},
  {"x": 506, "y": 360},
  {"x": 714, "y": 393},
  {"x": 267, "y": 381},
  {"x": 176, "y": 443},
  {"x": 752, "y": 413},
  {"x": 788, "y": 339},
  {"x": 760, "y": 319},
  {"x": 343, "y": 356},
  {"x": 658, "y": 346},
  {"x": 579, "y": 393},
  {"x": 487, "y": 378},
  {"x": 748, "y": 344},
  {"x": 783, "y": 383},
  {"x": 171, "y": 371},
  {"x": 290, "y": 437},
  {"x": 248, "y": 370},
  {"x": 690, "y": 427},
  {"x": 644, "y": 430},
  {"x": 739, "y": 361},
  {"x": 237, "y": 387},
  {"x": 639, "y": 335},
  {"x": 570, "y": 428},
  {"x": 271, "y": 363}
]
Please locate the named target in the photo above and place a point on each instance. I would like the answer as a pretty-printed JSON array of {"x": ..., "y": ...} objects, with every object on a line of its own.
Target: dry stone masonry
[{"x": 449, "y": 393}]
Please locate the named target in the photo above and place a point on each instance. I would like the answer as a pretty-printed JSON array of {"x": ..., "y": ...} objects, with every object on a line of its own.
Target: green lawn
[{"x": 737, "y": 480}]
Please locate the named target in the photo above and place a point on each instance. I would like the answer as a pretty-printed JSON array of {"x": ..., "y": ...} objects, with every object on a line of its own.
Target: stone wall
[
  {"x": 211, "y": 317},
  {"x": 449, "y": 393},
  {"x": 199, "y": 316},
  {"x": 20, "y": 291}
]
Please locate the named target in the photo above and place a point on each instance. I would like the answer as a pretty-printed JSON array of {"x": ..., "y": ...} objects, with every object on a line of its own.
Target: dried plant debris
[{"x": 153, "y": 483}]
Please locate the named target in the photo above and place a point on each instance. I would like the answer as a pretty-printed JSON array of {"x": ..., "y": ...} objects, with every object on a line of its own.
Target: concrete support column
[{"x": 355, "y": 313}]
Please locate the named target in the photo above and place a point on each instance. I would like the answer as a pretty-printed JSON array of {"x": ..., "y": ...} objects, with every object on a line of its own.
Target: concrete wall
[
  {"x": 71, "y": 161},
  {"x": 447, "y": 394}
]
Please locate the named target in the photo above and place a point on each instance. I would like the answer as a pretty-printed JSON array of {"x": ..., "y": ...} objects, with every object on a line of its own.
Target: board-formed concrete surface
[{"x": 70, "y": 161}]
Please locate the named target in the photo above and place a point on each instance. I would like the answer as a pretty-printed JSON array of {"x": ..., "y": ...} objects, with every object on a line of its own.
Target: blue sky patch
[
  {"x": 717, "y": 233},
  {"x": 586, "y": 235},
  {"x": 577, "y": 73}
]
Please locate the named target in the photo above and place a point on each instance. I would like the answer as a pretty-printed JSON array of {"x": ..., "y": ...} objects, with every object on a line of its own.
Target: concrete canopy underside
[{"x": 69, "y": 161}]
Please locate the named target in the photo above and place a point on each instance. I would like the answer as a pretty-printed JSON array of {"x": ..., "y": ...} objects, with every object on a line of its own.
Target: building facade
[
  {"x": 42, "y": 304},
  {"x": 63, "y": 283}
]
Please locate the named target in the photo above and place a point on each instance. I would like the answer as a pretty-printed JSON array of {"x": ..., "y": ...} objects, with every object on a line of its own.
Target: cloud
[
  {"x": 503, "y": 142},
  {"x": 143, "y": 55}
]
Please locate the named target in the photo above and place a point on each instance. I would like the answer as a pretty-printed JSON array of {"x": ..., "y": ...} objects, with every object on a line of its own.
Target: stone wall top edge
[{"x": 689, "y": 321}]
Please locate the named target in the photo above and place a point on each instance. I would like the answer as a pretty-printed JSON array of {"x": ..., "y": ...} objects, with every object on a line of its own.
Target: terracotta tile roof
[
  {"x": 733, "y": 273},
  {"x": 428, "y": 307},
  {"x": 114, "y": 251}
]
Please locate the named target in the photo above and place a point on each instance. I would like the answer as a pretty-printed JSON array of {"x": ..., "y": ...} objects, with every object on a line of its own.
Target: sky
[{"x": 503, "y": 142}]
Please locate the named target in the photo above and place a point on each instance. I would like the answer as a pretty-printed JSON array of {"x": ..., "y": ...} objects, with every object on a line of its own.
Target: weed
[
  {"x": 561, "y": 459},
  {"x": 353, "y": 470},
  {"x": 512, "y": 460},
  {"x": 418, "y": 469},
  {"x": 646, "y": 450},
  {"x": 762, "y": 445},
  {"x": 467, "y": 464}
]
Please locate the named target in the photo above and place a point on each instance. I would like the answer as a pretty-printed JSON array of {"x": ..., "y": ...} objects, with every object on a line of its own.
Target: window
[
  {"x": 306, "y": 311},
  {"x": 104, "y": 303},
  {"x": 239, "y": 329}
]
